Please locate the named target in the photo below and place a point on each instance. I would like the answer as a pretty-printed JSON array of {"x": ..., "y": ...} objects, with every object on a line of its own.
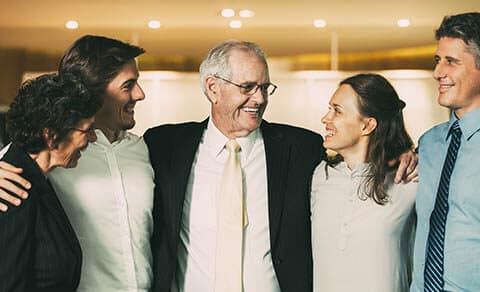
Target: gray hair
[{"x": 216, "y": 61}]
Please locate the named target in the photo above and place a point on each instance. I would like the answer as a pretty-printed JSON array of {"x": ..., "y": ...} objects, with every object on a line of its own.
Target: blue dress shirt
[{"x": 462, "y": 234}]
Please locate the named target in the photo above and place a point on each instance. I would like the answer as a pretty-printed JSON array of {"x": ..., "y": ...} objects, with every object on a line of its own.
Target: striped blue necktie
[{"x": 433, "y": 275}]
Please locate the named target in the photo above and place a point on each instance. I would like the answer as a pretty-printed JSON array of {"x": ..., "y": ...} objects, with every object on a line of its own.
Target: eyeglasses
[
  {"x": 90, "y": 130},
  {"x": 250, "y": 88}
]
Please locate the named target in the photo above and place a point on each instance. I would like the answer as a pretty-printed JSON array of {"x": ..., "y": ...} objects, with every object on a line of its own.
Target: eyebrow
[
  {"x": 335, "y": 105},
  {"x": 449, "y": 58},
  {"x": 129, "y": 81}
]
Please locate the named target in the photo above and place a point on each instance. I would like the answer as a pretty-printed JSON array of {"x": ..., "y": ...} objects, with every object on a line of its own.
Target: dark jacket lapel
[
  {"x": 185, "y": 143},
  {"x": 277, "y": 153}
]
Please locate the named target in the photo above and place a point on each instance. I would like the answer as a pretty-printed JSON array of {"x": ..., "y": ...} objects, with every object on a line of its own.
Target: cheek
[
  {"x": 229, "y": 107},
  {"x": 348, "y": 129},
  {"x": 472, "y": 85}
]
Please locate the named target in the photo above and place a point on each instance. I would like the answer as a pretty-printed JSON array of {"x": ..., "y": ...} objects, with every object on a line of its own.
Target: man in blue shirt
[{"x": 447, "y": 244}]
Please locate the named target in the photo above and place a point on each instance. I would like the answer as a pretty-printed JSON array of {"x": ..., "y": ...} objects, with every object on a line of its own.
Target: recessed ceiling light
[
  {"x": 228, "y": 12},
  {"x": 154, "y": 24},
  {"x": 71, "y": 24},
  {"x": 236, "y": 24},
  {"x": 403, "y": 23},
  {"x": 319, "y": 23},
  {"x": 246, "y": 13}
]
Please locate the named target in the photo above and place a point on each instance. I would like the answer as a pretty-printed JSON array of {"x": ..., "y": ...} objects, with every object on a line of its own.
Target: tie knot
[
  {"x": 232, "y": 146},
  {"x": 455, "y": 129}
]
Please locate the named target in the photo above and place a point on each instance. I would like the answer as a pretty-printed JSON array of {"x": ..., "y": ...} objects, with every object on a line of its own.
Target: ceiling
[{"x": 191, "y": 27}]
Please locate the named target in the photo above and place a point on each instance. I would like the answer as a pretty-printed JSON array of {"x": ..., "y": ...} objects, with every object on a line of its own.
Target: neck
[
  {"x": 112, "y": 135},
  {"x": 43, "y": 160},
  {"x": 229, "y": 133},
  {"x": 461, "y": 112},
  {"x": 355, "y": 155}
]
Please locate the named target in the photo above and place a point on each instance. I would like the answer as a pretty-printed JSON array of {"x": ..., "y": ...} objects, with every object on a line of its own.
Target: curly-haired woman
[{"x": 49, "y": 122}]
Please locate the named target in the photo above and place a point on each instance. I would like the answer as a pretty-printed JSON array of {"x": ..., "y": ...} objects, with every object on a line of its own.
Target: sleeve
[{"x": 16, "y": 246}]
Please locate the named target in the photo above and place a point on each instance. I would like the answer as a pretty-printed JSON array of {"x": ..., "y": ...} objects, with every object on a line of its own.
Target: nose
[
  {"x": 260, "y": 96},
  {"x": 137, "y": 93},
  {"x": 326, "y": 118},
  {"x": 438, "y": 71}
]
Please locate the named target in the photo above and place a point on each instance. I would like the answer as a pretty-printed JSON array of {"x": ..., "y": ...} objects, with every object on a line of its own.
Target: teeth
[
  {"x": 330, "y": 133},
  {"x": 250, "y": 109}
]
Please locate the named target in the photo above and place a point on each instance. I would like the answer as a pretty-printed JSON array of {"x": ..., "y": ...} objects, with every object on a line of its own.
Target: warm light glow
[
  {"x": 71, "y": 24},
  {"x": 407, "y": 74},
  {"x": 162, "y": 75},
  {"x": 235, "y": 24},
  {"x": 228, "y": 12},
  {"x": 319, "y": 23},
  {"x": 403, "y": 23},
  {"x": 154, "y": 24},
  {"x": 246, "y": 13},
  {"x": 318, "y": 74}
]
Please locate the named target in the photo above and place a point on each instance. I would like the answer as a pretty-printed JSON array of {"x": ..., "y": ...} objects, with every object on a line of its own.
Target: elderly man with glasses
[{"x": 272, "y": 251}]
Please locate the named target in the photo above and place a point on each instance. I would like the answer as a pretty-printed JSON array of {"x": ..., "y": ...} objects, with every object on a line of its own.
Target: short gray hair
[{"x": 216, "y": 61}]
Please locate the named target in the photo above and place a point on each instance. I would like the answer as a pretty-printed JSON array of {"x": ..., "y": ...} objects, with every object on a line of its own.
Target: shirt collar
[
  {"x": 216, "y": 141},
  {"x": 360, "y": 170},
  {"x": 469, "y": 124},
  {"x": 103, "y": 140}
]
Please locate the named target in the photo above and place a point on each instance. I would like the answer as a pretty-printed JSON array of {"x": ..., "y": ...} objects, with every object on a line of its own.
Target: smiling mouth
[
  {"x": 252, "y": 110},
  {"x": 129, "y": 108},
  {"x": 444, "y": 87},
  {"x": 329, "y": 133}
]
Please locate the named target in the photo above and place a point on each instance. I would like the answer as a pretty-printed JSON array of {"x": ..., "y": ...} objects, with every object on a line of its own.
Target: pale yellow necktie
[{"x": 231, "y": 220}]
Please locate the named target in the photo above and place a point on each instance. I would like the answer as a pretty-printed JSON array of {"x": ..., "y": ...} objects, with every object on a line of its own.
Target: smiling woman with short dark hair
[{"x": 49, "y": 123}]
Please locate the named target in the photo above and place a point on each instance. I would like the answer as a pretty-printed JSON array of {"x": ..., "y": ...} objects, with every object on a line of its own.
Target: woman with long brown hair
[{"x": 362, "y": 223}]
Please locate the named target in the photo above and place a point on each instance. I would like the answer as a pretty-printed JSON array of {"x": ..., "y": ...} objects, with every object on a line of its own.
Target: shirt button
[{"x": 344, "y": 228}]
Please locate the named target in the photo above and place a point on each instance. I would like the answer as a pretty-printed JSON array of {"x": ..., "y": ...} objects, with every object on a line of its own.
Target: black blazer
[
  {"x": 291, "y": 155},
  {"x": 39, "y": 249}
]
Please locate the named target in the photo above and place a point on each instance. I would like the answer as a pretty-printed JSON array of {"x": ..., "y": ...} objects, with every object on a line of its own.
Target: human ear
[
  {"x": 211, "y": 88},
  {"x": 369, "y": 125}
]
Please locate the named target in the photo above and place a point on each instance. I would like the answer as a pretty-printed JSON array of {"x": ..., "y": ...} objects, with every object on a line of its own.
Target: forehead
[
  {"x": 448, "y": 46},
  {"x": 247, "y": 66},
  {"x": 127, "y": 72},
  {"x": 344, "y": 95}
]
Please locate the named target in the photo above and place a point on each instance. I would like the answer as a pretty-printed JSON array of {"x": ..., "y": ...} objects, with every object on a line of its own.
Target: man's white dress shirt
[
  {"x": 196, "y": 251},
  {"x": 108, "y": 198}
]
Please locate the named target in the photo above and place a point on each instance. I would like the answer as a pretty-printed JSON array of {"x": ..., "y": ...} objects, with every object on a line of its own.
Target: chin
[
  {"x": 444, "y": 100},
  {"x": 249, "y": 126},
  {"x": 128, "y": 126},
  {"x": 329, "y": 145}
]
